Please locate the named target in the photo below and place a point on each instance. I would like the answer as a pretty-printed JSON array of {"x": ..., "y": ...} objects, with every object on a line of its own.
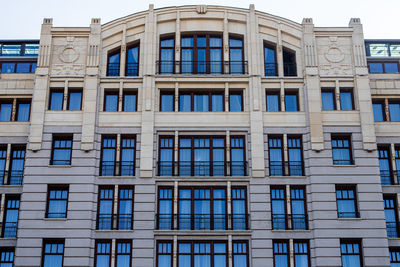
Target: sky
[{"x": 22, "y": 19}]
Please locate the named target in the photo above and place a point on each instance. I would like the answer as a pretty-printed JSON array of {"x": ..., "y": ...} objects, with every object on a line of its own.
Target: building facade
[{"x": 200, "y": 136}]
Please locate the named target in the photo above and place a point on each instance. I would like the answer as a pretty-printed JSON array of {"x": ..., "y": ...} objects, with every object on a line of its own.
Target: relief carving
[
  {"x": 335, "y": 59},
  {"x": 69, "y": 61}
]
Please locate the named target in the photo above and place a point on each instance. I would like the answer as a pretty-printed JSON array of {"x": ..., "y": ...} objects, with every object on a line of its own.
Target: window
[
  {"x": 10, "y": 220},
  {"x": 62, "y": 150},
  {"x": 273, "y": 101},
  {"x": 113, "y": 64},
  {"x": 197, "y": 101},
  {"x": 238, "y": 164},
  {"x": 53, "y": 253},
  {"x": 128, "y": 145},
  {"x": 235, "y": 101},
  {"x": 167, "y": 56},
  {"x": 3, "y": 158},
  {"x": 130, "y": 100},
  {"x": 291, "y": 101},
  {"x": 346, "y": 201},
  {"x": 74, "y": 99},
  {"x": 391, "y": 211},
  {"x": 165, "y": 206},
  {"x": 124, "y": 253},
  {"x": 204, "y": 254},
  {"x": 270, "y": 65},
  {"x": 164, "y": 254},
  {"x": 275, "y": 150},
  {"x": 11, "y": 50},
  {"x": 16, "y": 169},
  {"x": 239, "y": 208},
  {"x": 397, "y": 157},
  {"x": 346, "y": 99},
  {"x": 6, "y": 110},
  {"x": 103, "y": 253},
  {"x": 385, "y": 165},
  {"x": 23, "y": 110},
  {"x": 132, "y": 61},
  {"x": 167, "y": 101},
  {"x": 8, "y": 67},
  {"x": 383, "y": 67},
  {"x": 109, "y": 165},
  {"x": 394, "y": 254},
  {"x": 328, "y": 99},
  {"x": 240, "y": 255},
  {"x": 298, "y": 207},
  {"x": 236, "y": 64},
  {"x": 57, "y": 201},
  {"x": 166, "y": 163},
  {"x": 289, "y": 62},
  {"x": 278, "y": 208},
  {"x": 394, "y": 110},
  {"x": 111, "y": 101},
  {"x": 6, "y": 257},
  {"x": 108, "y": 153},
  {"x": 56, "y": 99},
  {"x": 281, "y": 253},
  {"x": 379, "y": 111},
  {"x": 341, "y": 150},
  {"x": 123, "y": 220},
  {"x": 351, "y": 253},
  {"x": 301, "y": 253},
  {"x": 202, "y": 54},
  {"x": 295, "y": 156}
]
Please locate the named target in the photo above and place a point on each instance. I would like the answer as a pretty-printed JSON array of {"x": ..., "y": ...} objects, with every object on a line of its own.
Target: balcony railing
[
  {"x": 348, "y": 214},
  {"x": 15, "y": 177},
  {"x": 392, "y": 229},
  {"x": 202, "y": 168},
  {"x": 132, "y": 69},
  {"x": 389, "y": 177},
  {"x": 271, "y": 69},
  {"x": 115, "y": 222},
  {"x": 286, "y": 168},
  {"x": 202, "y": 222},
  {"x": 201, "y": 67},
  {"x": 289, "y": 69},
  {"x": 117, "y": 168},
  {"x": 113, "y": 69},
  {"x": 10, "y": 229},
  {"x": 289, "y": 222}
]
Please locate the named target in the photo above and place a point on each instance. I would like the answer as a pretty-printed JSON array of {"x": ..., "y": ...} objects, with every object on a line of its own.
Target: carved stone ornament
[
  {"x": 67, "y": 69},
  {"x": 201, "y": 9},
  {"x": 335, "y": 56},
  {"x": 69, "y": 54},
  {"x": 334, "y": 53}
]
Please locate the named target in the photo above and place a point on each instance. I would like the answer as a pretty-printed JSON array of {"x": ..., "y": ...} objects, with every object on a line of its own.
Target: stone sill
[
  {"x": 345, "y": 166},
  {"x": 291, "y": 231},
  {"x": 59, "y": 166},
  {"x": 350, "y": 219},
  {"x": 114, "y": 231},
  {"x": 287, "y": 177},
  {"x": 55, "y": 219}
]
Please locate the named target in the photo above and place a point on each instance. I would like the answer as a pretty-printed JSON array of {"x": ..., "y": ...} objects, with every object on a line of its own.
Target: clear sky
[{"x": 21, "y": 19}]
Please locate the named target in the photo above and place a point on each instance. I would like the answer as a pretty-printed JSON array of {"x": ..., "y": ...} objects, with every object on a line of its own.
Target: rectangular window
[
  {"x": 270, "y": 65},
  {"x": 74, "y": 99},
  {"x": 128, "y": 146},
  {"x": 397, "y": 157},
  {"x": 8, "y": 67},
  {"x": 379, "y": 110},
  {"x": 278, "y": 208},
  {"x": 383, "y": 67},
  {"x": 299, "y": 208},
  {"x": 346, "y": 99},
  {"x": 200, "y": 102},
  {"x": 108, "y": 152},
  {"x": 238, "y": 163},
  {"x": 291, "y": 101},
  {"x": 301, "y": 253},
  {"x": 102, "y": 256},
  {"x": 165, "y": 208},
  {"x": 164, "y": 254},
  {"x": 275, "y": 150},
  {"x": 111, "y": 101},
  {"x": 23, "y": 109},
  {"x": 10, "y": 220},
  {"x": 273, "y": 101},
  {"x": 62, "y": 150},
  {"x": 394, "y": 110},
  {"x": 57, "y": 201},
  {"x": 236, "y": 63},
  {"x": 346, "y": 201},
  {"x": 130, "y": 99},
  {"x": 240, "y": 255},
  {"x": 328, "y": 99},
  {"x": 125, "y": 208},
  {"x": 166, "y": 163},
  {"x": 53, "y": 253},
  {"x": 289, "y": 62},
  {"x": 394, "y": 254},
  {"x": 295, "y": 156},
  {"x": 3, "y": 158},
  {"x": 281, "y": 253},
  {"x": 167, "y": 56},
  {"x": 124, "y": 253},
  {"x": 351, "y": 253},
  {"x": 132, "y": 61},
  {"x": 235, "y": 101},
  {"x": 341, "y": 150},
  {"x": 17, "y": 162},
  {"x": 204, "y": 254},
  {"x": 391, "y": 210},
  {"x": 6, "y": 257},
  {"x": 239, "y": 208},
  {"x": 167, "y": 102},
  {"x": 6, "y": 107},
  {"x": 56, "y": 99},
  {"x": 385, "y": 165},
  {"x": 105, "y": 208},
  {"x": 113, "y": 64}
]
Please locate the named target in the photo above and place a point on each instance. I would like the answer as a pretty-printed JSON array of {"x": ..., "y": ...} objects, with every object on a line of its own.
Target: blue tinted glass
[
  {"x": 23, "y": 67},
  {"x": 215, "y": 42},
  {"x": 114, "y": 58},
  {"x": 57, "y": 208},
  {"x": 394, "y": 111},
  {"x": 130, "y": 102},
  {"x": 201, "y": 103},
  {"x": 167, "y": 103},
  {"x": 113, "y": 65},
  {"x": 133, "y": 55},
  {"x": 53, "y": 261},
  {"x": 187, "y": 42},
  {"x": 273, "y": 102},
  {"x": 391, "y": 67},
  {"x": 7, "y": 67},
  {"x": 235, "y": 102},
  {"x": 291, "y": 102},
  {"x": 75, "y": 99},
  {"x": 111, "y": 102},
  {"x": 23, "y": 111},
  {"x": 378, "y": 111},
  {"x": 184, "y": 102},
  {"x": 269, "y": 61},
  {"x": 375, "y": 67},
  {"x": 201, "y": 41},
  {"x": 5, "y": 111},
  {"x": 56, "y": 100},
  {"x": 11, "y": 50},
  {"x": 31, "y": 49},
  {"x": 217, "y": 102},
  {"x": 328, "y": 100},
  {"x": 167, "y": 43},
  {"x": 33, "y": 68},
  {"x": 346, "y": 100}
]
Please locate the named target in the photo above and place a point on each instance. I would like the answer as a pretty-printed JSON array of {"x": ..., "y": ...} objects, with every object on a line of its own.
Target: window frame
[
  {"x": 128, "y": 47},
  {"x": 233, "y": 251},
  {"x": 57, "y": 187},
  {"x": 7, "y": 198},
  {"x": 246, "y": 208},
  {"x": 347, "y": 90},
  {"x": 304, "y": 199},
  {"x": 110, "y": 92},
  {"x": 395, "y": 209},
  {"x": 119, "y": 199},
  {"x": 111, "y": 53},
  {"x": 108, "y": 136},
  {"x": 332, "y": 91},
  {"x": 123, "y": 241},
  {"x": 396, "y": 252},
  {"x": 308, "y": 250},
  {"x": 292, "y": 92},
  {"x": 382, "y": 62},
  {"x": 99, "y": 188},
  {"x": 56, "y": 90},
  {"x": 74, "y": 90},
  {"x": 272, "y": 47},
  {"x": 212, "y": 253},
  {"x": 7, "y": 101},
  {"x": 170, "y": 93},
  {"x": 286, "y": 241},
  {"x": 124, "y": 94},
  {"x": 96, "y": 254},
  {"x": 10, "y": 250},
  {"x": 163, "y": 38},
  {"x": 281, "y": 137},
  {"x": 235, "y": 92},
  {"x": 209, "y": 93},
  {"x": 121, "y": 148},
  {"x": 158, "y": 253},
  {"x": 380, "y": 101},
  {"x": 23, "y": 101},
  {"x": 360, "y": 249},
  {"x": 343, "y": 136},
  {"x": 173, "y": 153},
  {"x": 159, "y": 189},
  {"x": 62, "y": 137},
  {"x": 273, "y": 92},
  {"x": 279, "y": 187},
  {"x": 347, "y": 187},
  {"x": 46, "y": 241},
  {"x": 234, "y": 37}
]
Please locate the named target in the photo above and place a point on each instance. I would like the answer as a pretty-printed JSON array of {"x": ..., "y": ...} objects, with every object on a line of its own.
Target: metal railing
[
  {"x": 115, "y": 222},
  {"x": 389, "y": 177},
  {"x": 202, "y": 222},
  {"x": 392, "y": 229},
  {"x": 201, "y": 67},
  {"x": 117, "y": 168},
  {"x": 10, "y": 229},
  {"x": 132, "y": 69},
  {"x": 113, "y": 69},
  {"x": 286, "y": 168},
  {"x": 202, "y": 168},
  {"x": 289, "y": 222},
  {"x": 348, "y": 214},
  {"x": 15, "y": 177},
  {"x": 289, "y": 69},
  {"x": 271, "y": 69}
]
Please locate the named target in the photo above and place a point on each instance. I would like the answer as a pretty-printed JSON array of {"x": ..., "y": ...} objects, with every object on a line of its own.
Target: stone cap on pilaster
[
  {"x": 307, "y": 21},
  {"x": 95, "y": 21},
  {"x": 48, "y": 21},
  {"x": 354, "y": 21}
]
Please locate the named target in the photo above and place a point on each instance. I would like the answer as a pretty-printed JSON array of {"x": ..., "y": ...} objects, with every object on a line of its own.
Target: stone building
[{"x": 200, "y": 136}]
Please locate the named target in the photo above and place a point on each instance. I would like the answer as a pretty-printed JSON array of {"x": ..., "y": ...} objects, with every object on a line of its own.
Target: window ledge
[
  {"x": 350, "y": 219},
  {"x": 55, "y": 219},
  {"x": 352, "y": 165},
  {"x": 59, "y": 166},
  {"x": 113, "y": 231},
  {"x": 291, "y": 231},
  {"x": 287, "y": 176}
]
